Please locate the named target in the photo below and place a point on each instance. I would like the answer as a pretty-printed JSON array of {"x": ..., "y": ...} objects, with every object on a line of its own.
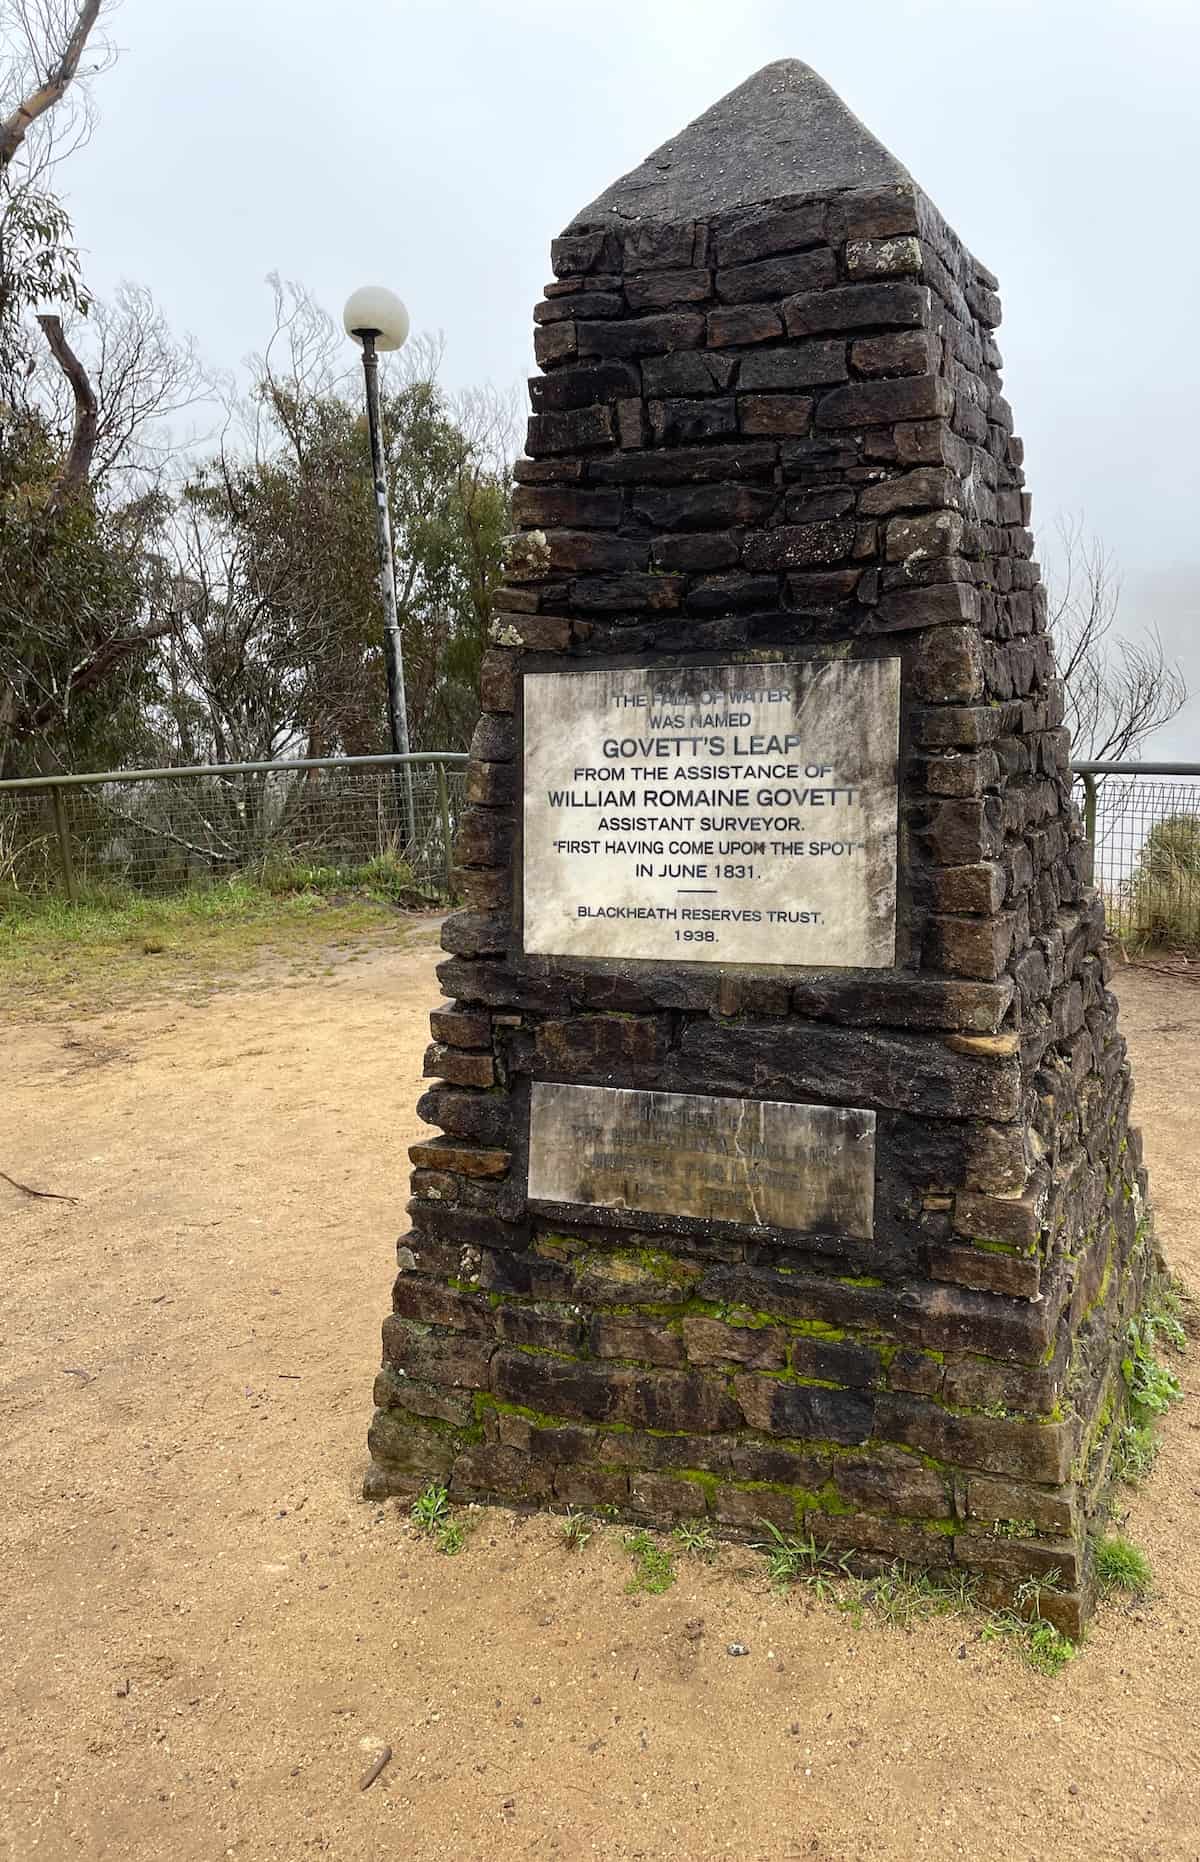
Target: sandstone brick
[
  {"x": 1027, "y": 1450},
  {"x": 459, "y": 1069},
  {"x": 646, "y": 1340},
  {"x": 968, "y": 946},
  {"x": 712, "y": 1341},
  {"x": 641, "y": 336},
  {"x": 775, "y": 413},
  {"x": 805, "y": 1411},
  {"x": 491, "y": 1468},
  {"x": 584, "y": 384},
  {"x": 547, "y": 506},
  {"x": 927, "y": 488},
  {"x": 901, "y": 352},
  {"x": 744, "y": 323},
  {"x": 460, "y": 1027},
  {"x": 765, "y": 231},
  {"x": 679, "y": 423},
  {"x": 658, "y": 1497},
  {"x": 576, "y": 431},
  {"x": 1015, "y": 1220},
  {"x": 856, "y": 307},
  {"x": 883, "y": 258},
  {"x": 799, "y": 365},
  {"x": 687, "y": 372},
  {"x": 469, "y": 1160},
  {"x": 992, "y": 1499},
  {"x": 776, "y": 277},
  {"x": 876, "y": 403},
  {"x": 889, "y": 1482},
  {"x": 861, "y": 1067},
  {"x": 985, "y": 1270},
  {"x": 788, "y": 546},
  {"x": 660, "y": 290}
]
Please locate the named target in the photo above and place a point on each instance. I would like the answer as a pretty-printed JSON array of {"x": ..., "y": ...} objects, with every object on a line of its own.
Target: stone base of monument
[{"x": 786, "y": 1172}]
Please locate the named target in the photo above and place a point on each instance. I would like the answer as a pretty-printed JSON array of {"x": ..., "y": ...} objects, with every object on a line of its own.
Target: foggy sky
[{"x": 437, "y": 145}]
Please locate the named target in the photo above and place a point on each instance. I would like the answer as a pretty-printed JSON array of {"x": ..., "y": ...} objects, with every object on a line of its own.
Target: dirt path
[{"x": 203, "y": 1623}]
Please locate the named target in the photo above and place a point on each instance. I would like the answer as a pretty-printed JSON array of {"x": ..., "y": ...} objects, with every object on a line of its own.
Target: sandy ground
[{"x": 204, "y": 1627}]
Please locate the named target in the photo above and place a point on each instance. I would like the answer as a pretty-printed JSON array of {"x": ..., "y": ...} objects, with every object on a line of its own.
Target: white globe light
[{"x": 374, "y": 307}]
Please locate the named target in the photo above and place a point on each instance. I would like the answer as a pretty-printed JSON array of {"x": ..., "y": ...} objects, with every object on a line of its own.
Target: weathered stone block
[
  {"x": 856, "y": 307},
  {"x": 712, "y": 1341},
  {"x": 744, "y": 323},
  {"x": 799, "y": 365},
  {"x": 775, "y": 413},
  {"x": 790, "y": 546},
  {"x": 876, "y": 403},
  {"x": 659, "y": 290},
  {"x": 776, "y": 277},
  {"x": 805, "y": 1411},
  {"x": 641, "y": 336},
  {"x": 571, "y": 431}
]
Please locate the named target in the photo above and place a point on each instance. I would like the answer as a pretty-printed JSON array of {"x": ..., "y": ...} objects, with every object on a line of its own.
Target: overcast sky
[{"x": 437, "y": 145}]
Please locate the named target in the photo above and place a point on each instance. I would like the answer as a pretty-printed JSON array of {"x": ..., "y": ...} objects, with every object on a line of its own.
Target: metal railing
[
  {"x": 1142, "y": 822},
  {"x": 314, "y": 820}
]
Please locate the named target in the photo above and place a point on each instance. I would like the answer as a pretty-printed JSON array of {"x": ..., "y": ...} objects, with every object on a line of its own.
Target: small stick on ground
[
  {"x": 373, "y": 1770},
  {"x": 53, "y": 1196}
]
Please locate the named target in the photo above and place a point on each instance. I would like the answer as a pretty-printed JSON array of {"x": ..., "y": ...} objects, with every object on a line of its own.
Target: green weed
[
  {"x": 576, "y": 1529},
  {"x": 1037, "y": 1642},
  {"x": 697, "y": 1541},
  {"x": 1152, "y": 1387},
  {"x": 1134, "y": 1453},
  {"x": 1014, "y": 1528},
  {"x": 653, "y": 1566},
  {"x": 798, "y": 1561},
  {"x": 1121, "y": 1566},
  {"x": 431, "y": 1508},
  {"x": 451, "y": 1537},
  {"x": 903, "y": 1595}
]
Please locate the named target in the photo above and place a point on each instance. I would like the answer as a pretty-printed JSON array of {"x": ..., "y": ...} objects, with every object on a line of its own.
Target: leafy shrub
[{"x": 1166, "y": 884}]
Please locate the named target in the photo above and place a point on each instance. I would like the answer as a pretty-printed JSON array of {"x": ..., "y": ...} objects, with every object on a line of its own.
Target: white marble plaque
[
  {"x": 715, "y": 814},
  {"x": 763, "y": 1163}
]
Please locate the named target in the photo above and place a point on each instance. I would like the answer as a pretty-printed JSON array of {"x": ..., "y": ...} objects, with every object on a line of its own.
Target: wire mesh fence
[
  {"x": 361, "y": 818},
  {"x": 312, "y": 822},
  {"x": 1144, "y": 828}
]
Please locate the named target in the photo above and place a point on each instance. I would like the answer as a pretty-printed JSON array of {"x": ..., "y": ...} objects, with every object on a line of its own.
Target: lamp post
[{"x": 377, "y": 320}]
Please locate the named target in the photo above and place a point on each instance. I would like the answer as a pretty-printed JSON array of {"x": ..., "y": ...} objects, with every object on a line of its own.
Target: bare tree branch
[
  {"x": 73, "y": 480},
  {"x": 53, "y": 85},
  {"x": 1119, "y": 691}
]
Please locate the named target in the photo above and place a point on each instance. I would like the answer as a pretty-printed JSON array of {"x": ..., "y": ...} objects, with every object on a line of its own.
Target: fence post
[
  {"x": 443, "y": 794},
  {"x": 1089, "y": 822},
  {"x": 64, "y": 843}
]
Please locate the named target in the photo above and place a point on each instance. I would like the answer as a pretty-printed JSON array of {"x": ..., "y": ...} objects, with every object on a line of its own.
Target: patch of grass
[
  {"x": 653, "y": 1565},
  {"x": 1134, "y": 1453},
  {"x": 697, "y": 1541},
  {"x": 1120, "y": 1565},
  {"x": 115, "y": 938},
  {"x": 1152, "y": 1386},
  {"x": 1037, "y": 1642},
  {"x": 576, "y": 1529},
  {"x": 903, "y": 1595},
  {"x": 799, "y": 1561}
]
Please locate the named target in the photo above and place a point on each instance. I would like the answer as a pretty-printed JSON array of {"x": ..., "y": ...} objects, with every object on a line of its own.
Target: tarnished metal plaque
[{"x": 764, "y": 1163}]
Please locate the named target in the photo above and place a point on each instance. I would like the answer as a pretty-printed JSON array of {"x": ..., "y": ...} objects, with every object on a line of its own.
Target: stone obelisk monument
[{"x": 787, "y": 1171}]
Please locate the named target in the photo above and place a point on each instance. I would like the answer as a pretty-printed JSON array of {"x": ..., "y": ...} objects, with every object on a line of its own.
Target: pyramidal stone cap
[{"x": 783, "y": 134}]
